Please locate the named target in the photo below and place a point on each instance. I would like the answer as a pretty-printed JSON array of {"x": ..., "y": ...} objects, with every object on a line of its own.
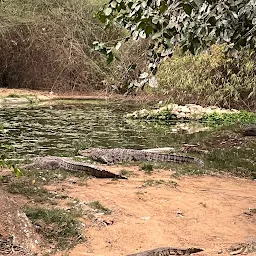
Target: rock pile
[{"x": 175, "y": 111}]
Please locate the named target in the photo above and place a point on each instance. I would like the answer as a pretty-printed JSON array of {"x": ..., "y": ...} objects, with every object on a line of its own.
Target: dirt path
[{"x": 206, "y": 212}]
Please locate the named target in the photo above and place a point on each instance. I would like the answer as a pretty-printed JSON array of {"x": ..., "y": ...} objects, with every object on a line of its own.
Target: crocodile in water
[
  {"x": 51, "y": 162},
  {"x": 115, "y": 155},
  {"x": 166, "y": 251}
]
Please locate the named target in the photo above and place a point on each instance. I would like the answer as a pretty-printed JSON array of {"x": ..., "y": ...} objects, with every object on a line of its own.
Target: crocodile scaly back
[
  {"x": 167, "y": 251},
  {"x": 116, "y": 155}
]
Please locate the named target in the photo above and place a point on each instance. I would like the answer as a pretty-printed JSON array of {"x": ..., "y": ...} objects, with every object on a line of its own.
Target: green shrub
[
  {"x": 242, "y": 117},
  {"x": 56, "y": 225},
  {"x": 147, "y": 168},
  {"x": 210, "y": 78}
]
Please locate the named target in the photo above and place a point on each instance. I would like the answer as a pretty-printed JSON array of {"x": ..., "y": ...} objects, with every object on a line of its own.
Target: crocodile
[
  {"x": 242, "y": 248},
  {"x": 166, "y": 251},
  {"x": 115, "y": 155},
  {"x": 52, "y": 163}
]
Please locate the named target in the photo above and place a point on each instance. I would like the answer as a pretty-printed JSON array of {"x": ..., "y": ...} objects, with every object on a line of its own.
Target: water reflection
[{"x": 60, "y": 129}]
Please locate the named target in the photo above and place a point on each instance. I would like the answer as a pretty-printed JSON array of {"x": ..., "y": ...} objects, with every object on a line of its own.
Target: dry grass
[
  {"x": 47, "y": 45},
  {"x": 211, "y": 78}
]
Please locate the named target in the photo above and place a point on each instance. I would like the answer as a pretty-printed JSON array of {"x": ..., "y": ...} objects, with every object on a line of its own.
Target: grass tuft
[
  {"x": 99, "y": 207},
  {"x": 56, "y": 225},
  {"x": 33, "y": 192},
  {"x": 147, "y": 168}
]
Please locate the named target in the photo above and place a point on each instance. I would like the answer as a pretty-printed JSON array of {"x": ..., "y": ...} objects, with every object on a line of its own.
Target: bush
[
  {"x": 210, "y": 78},
  {"x": 47, "y": 45}
]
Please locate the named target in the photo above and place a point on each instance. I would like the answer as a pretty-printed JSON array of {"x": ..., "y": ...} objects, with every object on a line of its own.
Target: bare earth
[{"x": 206, "y": 212}]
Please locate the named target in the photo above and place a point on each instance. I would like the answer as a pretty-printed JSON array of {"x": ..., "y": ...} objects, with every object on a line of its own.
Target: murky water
[{"x": 61, "y": 129}]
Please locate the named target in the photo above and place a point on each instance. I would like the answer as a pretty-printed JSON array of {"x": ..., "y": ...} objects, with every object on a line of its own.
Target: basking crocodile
[
  {"x": 52, "y": 162},
  {"x": 166, "y": 251},
  {"x": 115, "y": 155},
  {"x": 242, "y": 248}
]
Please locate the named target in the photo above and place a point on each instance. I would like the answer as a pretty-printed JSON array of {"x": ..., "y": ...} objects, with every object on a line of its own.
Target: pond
[{"x": 61, "y": 129}]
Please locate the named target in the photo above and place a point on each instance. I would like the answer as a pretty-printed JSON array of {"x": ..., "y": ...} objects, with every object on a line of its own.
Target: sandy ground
[{"x": 206, "y": 212}]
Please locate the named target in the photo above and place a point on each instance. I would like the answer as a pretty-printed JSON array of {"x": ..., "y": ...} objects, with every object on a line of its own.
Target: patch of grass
[
  {"x": 4, "y": 179},
  {"x": 147, "y": 167},
  {"x": 239, "y": 161},
  {"x": 209, "y": 78},
  {"x": 125, "y": 173},
  {"x": 46, "y": 176},
  {"x": 99, "y": 207},
  {"x": 57, "y": 226},
  {"x": 190, "y": 171},
  {"x": 226, "y": 119},
  {"x": 154, "y": 183},
  {"x": 83, "y": 181},
  {"x": 49, "y": 176},
  {"x": 75, "y": 208},
  {"x": 33, "y": 192}
]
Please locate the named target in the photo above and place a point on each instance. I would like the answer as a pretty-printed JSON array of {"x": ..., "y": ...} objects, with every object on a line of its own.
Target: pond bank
[{"x": 14, "y": 97}]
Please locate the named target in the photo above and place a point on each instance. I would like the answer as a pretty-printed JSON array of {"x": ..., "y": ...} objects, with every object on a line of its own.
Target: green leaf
[
  {"x": 17, "y": 172},
  {"x": 157, "y": 35},
  {"x": 110, "y": 58},
  {"x": 199, "y": 2},
  {"x": 148, "y": 30},
  {"x": 108, "y": 11},
  {"x": 187, "y": 8},
  {"x": 113, "y": 4}
]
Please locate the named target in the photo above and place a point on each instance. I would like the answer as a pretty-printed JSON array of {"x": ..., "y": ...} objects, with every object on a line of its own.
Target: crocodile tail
[{"x": 194, "y": 250}]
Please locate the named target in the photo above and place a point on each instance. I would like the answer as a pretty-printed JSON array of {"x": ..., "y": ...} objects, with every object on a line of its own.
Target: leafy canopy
[{"x": 193, "y": 24}]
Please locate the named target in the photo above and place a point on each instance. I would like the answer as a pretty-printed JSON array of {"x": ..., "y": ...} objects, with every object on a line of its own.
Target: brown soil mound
[{"x": 15, "y": 227}]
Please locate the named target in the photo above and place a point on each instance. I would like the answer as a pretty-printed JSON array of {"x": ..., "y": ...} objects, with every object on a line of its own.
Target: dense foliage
[
  {"x": 47, "y": 44},
  {"x": 210, "y": 78},
  {"x": 193, "y": 24}
]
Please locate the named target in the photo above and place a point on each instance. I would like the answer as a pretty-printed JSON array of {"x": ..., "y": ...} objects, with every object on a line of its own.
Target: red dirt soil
[{"x": 206, "y": 212}]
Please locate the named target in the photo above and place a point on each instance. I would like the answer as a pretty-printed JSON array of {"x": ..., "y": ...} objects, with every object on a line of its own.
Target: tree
[{"x": 192, "y": 24}]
